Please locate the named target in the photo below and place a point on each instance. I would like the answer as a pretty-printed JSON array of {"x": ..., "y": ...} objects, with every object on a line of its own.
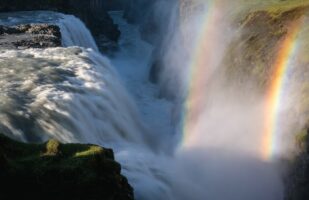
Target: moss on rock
[{"x": 56, "y": 171}]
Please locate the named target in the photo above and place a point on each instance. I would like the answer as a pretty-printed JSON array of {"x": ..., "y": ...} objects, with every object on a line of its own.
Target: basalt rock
[
  {"x": 30, "y": 36},
  {"x": 60, "y": 171}
]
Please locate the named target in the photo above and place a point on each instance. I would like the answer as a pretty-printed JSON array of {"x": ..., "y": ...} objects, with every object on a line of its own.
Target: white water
[
  {"x": 71, "y": 94},
  {"x": 132, "y": 62},
  {"x": 75, "y": 33},
  {"x": 197, "y": 172},
  {"x": 75, "y": 95}
]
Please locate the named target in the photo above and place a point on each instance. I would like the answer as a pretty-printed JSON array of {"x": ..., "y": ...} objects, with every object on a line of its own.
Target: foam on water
[
  {"x": 71, "y": 94},
  {"x": 75, "y": 95}
]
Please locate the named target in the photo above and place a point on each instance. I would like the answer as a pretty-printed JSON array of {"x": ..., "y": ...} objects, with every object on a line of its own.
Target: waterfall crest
[
  {"x": 75, "y": 33},
  {"x": 70, "y": 94}
]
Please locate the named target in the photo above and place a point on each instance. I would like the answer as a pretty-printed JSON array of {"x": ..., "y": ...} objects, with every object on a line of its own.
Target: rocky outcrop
[
  {"x": 92, "y": 12},
  {"x": 58, "y": 171},
  {"x": 297, "y": 180},
  {"x": 30, "y": 36}
]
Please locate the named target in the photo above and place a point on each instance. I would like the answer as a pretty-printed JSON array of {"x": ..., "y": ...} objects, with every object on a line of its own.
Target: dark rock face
[
  {"x": 30, "y": 36},
  {"x": 297, "y": 180},
  {"x": 115, "y": 4},
  {"x": 155, "y": 70},
  {"x": 57, "y": 171},
  {"x": 94, "y": 15},
  {"x": 136, "y": 10},
  {"x": 153, "y": 16},
  {"x": 92, "y": 12}
]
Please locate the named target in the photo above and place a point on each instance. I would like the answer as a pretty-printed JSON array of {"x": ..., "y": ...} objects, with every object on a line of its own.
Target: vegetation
[
  {"x": 54, "y": 171},
  {"x": 274, "y": 5}
]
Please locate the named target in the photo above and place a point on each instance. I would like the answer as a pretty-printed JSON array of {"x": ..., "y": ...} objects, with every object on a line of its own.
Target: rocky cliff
[{"x": 57, "y": 171}]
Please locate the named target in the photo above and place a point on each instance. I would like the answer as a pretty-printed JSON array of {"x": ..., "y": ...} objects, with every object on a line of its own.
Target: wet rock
[
  {"x": 30, "y": 36},
  {"x": 156, "y": 69}
]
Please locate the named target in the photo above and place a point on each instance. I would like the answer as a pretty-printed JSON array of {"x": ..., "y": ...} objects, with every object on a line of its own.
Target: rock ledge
[
  {"x": 56, "y": 171},
  {"x": 30, "y": 36}
]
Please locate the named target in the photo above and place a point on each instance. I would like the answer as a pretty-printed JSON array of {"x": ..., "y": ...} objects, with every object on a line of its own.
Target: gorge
[{"x": 198, "y": 99}]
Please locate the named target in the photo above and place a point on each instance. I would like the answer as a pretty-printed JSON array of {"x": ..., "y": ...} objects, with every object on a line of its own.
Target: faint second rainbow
[
  {"x": 200, "y": 70},
  {"x": 275, "y": 91}
]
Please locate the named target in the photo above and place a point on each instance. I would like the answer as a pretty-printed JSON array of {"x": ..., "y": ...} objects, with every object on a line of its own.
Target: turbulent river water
[{"x": 75, "y": 94}]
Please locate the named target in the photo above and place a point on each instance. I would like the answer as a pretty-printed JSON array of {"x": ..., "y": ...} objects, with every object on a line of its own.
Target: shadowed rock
[
  {"x": 56, "y": 171},
  {"x": 30, "y": 36}
]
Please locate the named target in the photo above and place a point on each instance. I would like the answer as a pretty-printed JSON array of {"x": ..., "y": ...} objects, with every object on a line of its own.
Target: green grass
[
  {"x": 20, "y": 153},
  {"x": 274, "y": 5},
  {"x": 53, "y": 170}
]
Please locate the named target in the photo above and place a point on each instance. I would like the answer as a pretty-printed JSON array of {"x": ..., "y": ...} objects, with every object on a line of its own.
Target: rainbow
[
  {"x": 200, "y": 70},
  {"x": 275, "y": 92}
]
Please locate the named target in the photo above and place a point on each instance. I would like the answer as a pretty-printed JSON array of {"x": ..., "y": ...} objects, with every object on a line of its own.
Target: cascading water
[
  {"x": 73, "y": 31},
  {"x": 75, "y": 95},
  {"x": 54, "y": 90},
  {"x": 228, "y": 136},
  {"x": 193, "y": 171}
]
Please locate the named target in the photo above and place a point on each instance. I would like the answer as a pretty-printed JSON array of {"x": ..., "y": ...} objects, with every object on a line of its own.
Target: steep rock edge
[
  {"x": 29, "y": 36},
  {"x": 56, "y": 171},
  {"x": 92, "y": 12},
  {"x": 297, "y": 180}
]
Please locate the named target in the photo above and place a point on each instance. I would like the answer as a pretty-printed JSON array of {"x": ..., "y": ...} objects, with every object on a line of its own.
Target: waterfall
[
  {"x": 70, "y": 94},
  {"x": 73, "y": 30},
  {"x": 75, "y": 94},
  {"x": 75, "y": 33}
]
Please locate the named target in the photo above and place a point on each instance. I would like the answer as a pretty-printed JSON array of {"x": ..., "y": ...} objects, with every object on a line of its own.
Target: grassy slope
[{"x": 274, "y": 5}]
